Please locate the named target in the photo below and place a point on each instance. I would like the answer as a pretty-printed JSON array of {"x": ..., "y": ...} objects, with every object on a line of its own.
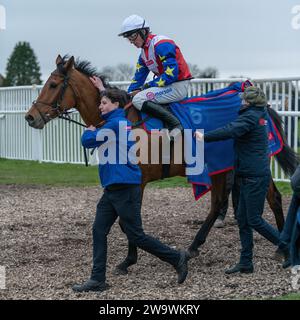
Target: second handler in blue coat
[{"x": 252, "y": 168}]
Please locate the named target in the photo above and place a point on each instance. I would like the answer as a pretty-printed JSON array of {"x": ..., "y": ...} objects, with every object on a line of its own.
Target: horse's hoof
[
  {"x": 192, "y": 253},
  {"x": 120, "y": 272}
]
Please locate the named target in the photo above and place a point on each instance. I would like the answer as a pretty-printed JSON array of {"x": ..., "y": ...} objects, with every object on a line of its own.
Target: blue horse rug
[{"x": 209, "y": 112}]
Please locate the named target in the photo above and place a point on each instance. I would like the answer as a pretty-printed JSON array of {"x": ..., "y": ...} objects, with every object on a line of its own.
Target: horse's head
[{"x": 56, "y": 97}]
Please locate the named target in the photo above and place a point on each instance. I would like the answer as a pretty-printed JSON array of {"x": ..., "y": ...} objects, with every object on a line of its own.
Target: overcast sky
[{"x": 252, "y": 38}]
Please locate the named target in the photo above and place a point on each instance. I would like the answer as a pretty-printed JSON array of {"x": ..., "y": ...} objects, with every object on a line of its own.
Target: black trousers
[
  {"x": 249, "y": 215},
  {"x": 126, "y": 204},
  {"x": 295, "y": 182}
]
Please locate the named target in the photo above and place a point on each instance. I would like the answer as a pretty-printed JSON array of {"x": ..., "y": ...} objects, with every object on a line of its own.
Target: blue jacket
[
  {"x": 117, "y": 173},
  {"x": 249, "y": 131}
]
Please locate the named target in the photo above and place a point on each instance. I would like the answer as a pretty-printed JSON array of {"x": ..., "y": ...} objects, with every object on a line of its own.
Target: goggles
[{"x": 131, "y": 36}]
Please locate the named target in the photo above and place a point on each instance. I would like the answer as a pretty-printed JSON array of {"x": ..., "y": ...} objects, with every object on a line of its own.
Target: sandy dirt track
[{"x": 46, "y": 247}]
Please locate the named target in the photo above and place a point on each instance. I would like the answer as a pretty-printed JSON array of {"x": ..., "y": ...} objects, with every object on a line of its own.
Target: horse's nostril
[{"x": 29, "y": 118}]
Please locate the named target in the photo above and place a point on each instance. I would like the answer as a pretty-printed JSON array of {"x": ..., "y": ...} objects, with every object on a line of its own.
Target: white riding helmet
[{"x": 132, "y": 24}]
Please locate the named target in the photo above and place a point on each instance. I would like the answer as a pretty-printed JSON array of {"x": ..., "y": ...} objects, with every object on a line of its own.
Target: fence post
[
  {"x": 2, "y": 136},
  {"x": 37, "y": 139},
  {"x": 37, "y": 145}
]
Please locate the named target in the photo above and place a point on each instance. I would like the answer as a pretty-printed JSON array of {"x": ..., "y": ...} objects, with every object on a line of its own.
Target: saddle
[{"x": 148, "y": 123}]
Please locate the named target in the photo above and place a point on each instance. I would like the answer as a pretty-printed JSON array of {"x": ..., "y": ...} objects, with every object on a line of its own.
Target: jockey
[{"x": 163, "y": 57}]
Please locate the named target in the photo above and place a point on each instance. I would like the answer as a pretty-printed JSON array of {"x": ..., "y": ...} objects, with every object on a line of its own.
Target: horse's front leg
[
  {"x": 132, "y": 255},
  {"x": 218, "y": 196}
]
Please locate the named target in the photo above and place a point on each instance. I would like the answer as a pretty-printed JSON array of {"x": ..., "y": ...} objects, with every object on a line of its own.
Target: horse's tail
[{"x": 287, "y": 158}]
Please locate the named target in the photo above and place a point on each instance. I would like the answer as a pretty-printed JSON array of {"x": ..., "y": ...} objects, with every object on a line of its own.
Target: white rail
[{"x": 60, "y": 141}]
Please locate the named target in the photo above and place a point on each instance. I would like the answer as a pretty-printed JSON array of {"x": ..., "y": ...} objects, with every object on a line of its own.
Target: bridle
[{"x": 60, "y": 111}]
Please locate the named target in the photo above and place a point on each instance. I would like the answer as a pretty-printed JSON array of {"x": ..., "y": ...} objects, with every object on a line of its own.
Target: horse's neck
[
  {"x": 89, "y": 100},
  {"x": 133, "y": 115}
]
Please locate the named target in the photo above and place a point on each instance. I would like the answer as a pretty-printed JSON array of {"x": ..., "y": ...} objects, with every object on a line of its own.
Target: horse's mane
[{"x": 85, "y": 67}]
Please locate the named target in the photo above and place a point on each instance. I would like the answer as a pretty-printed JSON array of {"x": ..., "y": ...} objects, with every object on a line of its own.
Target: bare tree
[
  {"x": 108, "y": 72},
  {"x": 195, "y": 70},
  {"x": 121, "y": 72},
  {"x": 124, "y": 72},
  {"x": 209, "y": 72}
]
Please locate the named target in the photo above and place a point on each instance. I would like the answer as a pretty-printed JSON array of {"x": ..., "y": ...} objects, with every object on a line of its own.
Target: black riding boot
[{"x": 158, "y": 111}]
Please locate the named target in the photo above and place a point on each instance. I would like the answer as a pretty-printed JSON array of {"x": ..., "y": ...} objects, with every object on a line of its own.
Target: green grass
[
  {"x": 35, "y": 173},
  {"x": 284, "y": 188},
  {"x": 170, "y": 183},
  {"x": 290, "y": 296}
]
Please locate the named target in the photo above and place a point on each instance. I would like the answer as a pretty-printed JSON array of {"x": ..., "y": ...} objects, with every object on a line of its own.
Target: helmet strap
[{"x": 144, "y": 35}]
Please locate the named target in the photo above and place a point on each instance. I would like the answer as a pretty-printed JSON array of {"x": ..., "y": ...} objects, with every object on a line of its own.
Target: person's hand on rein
[
  {"x": 91, "y": 128},
  {"x": 199, "y": 136}
]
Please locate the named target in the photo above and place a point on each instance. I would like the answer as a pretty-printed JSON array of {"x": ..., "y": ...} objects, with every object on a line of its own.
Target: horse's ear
[
  {"x": 58, "y": 60},
  {"x": 69, "y": 64}
]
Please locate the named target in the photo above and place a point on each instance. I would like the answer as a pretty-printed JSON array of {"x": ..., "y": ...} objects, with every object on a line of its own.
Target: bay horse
[{"x": 69, "y": 87}]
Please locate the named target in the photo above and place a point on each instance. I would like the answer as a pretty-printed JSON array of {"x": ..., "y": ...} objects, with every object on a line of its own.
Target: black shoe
[
  {"x": 287, "y": 263},
  {"x": 90, "y": 285},
  {"x": 239, "y": 268},
  {"x": 158, "y": 111},
  {"x": 182, "y": 266},
  {"x": 282, "y": 254},
  {"x": 285, "y": 252}
]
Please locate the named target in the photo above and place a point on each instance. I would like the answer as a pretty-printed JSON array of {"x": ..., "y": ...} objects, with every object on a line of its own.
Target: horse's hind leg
[
  {"x": 132, "y": 255},
  {"x": 275, "y": 203},
  {"x": 218, "y": 196}
]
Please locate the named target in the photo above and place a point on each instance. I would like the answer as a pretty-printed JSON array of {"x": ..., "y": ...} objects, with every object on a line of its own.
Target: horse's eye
[{"x": 53, "y": 85}]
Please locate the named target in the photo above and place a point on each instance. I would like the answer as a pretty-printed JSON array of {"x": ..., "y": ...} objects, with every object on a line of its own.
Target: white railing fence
[{"x": 59, "y": 141}]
